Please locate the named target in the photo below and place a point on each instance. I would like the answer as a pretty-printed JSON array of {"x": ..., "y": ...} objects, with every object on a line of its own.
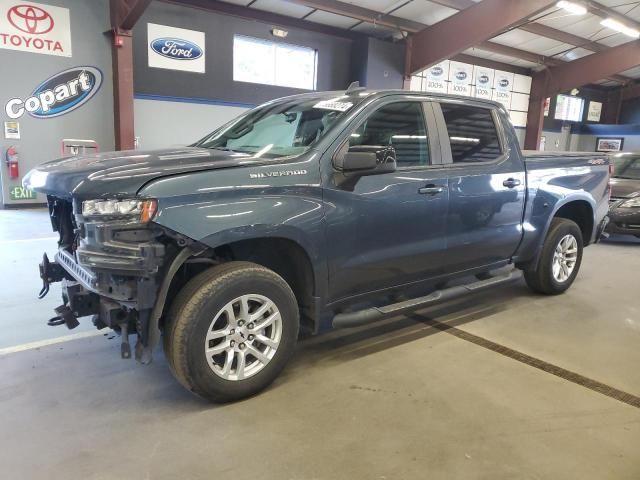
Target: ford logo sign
[
  {"x": 504, "y": 83},
  {"x": 483, "y": 79},
  {"x": 59, "y": 94},
  {"x": 176, "y": 48},
  {"x": 461, "y": 75},
  {"x": 437, "y": 71}
]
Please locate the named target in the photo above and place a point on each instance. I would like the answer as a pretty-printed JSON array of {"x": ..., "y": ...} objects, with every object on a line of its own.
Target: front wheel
[
  {"x": 231, "y": 331},
  {"x": 560, "y": 259}
]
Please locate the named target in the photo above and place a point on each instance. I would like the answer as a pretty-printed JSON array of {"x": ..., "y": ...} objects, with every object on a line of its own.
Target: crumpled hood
[{"x": 124, "y": 173}]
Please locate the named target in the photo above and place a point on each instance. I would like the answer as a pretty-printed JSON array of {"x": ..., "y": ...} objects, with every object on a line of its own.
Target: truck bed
[{"x": 536, "y": 160}]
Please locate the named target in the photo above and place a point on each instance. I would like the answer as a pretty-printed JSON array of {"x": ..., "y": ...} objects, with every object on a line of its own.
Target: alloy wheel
[{"x": 243, "y": 337}]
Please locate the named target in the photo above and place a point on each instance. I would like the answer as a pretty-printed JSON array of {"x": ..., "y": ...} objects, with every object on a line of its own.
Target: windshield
[
  {"x": 626, "y": 167},
  {"x": 276, "y": 130}
]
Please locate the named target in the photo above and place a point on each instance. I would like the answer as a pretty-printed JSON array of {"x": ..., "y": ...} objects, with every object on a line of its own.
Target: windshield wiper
[{"x": 224, "y": 149}]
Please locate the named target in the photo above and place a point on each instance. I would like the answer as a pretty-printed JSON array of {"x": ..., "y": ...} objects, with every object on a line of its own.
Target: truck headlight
[
  {"x": 631, "y": 203},
  {"x": 143, "y": 210}
]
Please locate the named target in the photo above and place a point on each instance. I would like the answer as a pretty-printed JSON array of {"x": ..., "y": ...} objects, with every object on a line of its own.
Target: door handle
[
  {"x": 431, "y": 189},
  {"x": 511, "y": 182}
]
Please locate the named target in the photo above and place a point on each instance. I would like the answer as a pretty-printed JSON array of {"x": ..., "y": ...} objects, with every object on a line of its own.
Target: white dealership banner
[
  {"x": 460, "y": 76},
  {"x": 483, "y": 80},
  {"x": 35, "y": 27},
  {"x": 175, "y": 48},
  {"x": 502, "y": 87},
  {"x": 436, "y": 77}
]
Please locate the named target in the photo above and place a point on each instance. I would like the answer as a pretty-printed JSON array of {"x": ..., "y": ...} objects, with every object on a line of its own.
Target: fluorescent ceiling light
[
  {"x": 571, "y": 7},
  {"x": 620, "y": 27},
  {"x": 464, "y": 140}
]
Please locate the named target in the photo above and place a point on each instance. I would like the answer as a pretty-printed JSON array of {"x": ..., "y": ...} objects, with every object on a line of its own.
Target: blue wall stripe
[
  {"x": 202, "y": 101},
  {"x": 600, "y": 129}
]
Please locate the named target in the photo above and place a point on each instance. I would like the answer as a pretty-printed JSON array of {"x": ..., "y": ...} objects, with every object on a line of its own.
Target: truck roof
[{"x": 359, "y": 94}]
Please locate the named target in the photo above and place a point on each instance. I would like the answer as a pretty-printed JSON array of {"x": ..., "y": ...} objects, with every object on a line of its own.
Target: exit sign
[{"x": 21, "y": 193}]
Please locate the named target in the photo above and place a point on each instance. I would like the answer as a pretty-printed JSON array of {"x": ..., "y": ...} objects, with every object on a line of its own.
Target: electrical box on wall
[{"x": 74, "y": 146}]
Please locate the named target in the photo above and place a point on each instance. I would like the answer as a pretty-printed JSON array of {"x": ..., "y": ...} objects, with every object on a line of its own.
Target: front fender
[{"x": 228, "y": 205}]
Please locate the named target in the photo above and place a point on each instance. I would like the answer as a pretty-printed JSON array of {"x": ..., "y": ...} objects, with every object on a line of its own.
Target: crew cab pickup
[{"x": 310, "y": 212}]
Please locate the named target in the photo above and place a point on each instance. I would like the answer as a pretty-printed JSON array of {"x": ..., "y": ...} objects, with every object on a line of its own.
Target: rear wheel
[
  {"x": 560, "y": 259},
  {"x": 231, "y": 331}
]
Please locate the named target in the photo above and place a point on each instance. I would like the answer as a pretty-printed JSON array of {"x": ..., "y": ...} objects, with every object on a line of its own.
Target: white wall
[{"x": 161, "y": 123}]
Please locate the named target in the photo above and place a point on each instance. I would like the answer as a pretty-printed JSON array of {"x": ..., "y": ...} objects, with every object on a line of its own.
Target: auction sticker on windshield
[{"x": 334, "y": 105}]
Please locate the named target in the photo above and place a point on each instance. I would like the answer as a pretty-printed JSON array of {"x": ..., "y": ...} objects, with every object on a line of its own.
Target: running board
[{"x": 362, "y": 317}]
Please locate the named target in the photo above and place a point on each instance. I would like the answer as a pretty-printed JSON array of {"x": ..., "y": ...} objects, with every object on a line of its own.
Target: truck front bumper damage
[
  {"x": 109, "y": 270},
  {"x": 126, "y": 304},
  {"x": 111, "y": 299}
]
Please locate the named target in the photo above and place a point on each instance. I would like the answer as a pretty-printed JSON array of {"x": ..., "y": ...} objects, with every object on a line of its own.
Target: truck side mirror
[{"x": 366, "y": 160}]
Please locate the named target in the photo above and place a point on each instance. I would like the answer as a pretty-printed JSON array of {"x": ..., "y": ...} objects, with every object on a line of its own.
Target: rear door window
[{"x": 472, "y": 133}]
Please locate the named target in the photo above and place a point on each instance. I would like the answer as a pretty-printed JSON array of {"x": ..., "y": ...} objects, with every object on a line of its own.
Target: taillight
[{"x": 611, "y": 170}]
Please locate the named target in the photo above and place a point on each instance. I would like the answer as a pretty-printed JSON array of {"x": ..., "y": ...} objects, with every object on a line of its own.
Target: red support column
[
  {"x": 123, "y": 89},
  {"x": 535, "y": 117},
  {"x": 408, "y": 46}
]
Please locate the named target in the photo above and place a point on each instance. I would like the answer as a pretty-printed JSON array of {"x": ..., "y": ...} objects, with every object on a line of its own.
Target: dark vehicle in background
[
  {"x": 624, "y": 209},
  {"x": 306, "y": 213}
]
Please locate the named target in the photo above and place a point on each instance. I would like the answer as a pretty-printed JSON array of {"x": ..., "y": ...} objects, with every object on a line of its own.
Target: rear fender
[{"x": 536, "y": 231}]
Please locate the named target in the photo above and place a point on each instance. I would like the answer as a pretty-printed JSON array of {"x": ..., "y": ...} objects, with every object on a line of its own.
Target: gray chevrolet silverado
[{"x": 310, "y": 212}]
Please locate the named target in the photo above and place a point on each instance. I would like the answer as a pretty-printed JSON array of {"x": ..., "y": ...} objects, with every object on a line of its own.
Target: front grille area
[
  {"x": 80, "y": 273},
  {"x": 63, "y": 222}
]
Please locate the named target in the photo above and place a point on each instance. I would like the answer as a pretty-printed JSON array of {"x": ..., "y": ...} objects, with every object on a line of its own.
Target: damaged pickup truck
[{"x": 309, "y": 212}]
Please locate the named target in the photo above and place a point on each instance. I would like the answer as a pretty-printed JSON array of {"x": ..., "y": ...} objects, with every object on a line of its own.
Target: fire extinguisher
[{"x": 12, "y": 162}]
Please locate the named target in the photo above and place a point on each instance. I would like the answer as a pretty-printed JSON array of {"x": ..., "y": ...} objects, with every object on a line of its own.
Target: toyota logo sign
[
  {"x": 33, "y": 27},
  {"x": 30, "y": 19}
]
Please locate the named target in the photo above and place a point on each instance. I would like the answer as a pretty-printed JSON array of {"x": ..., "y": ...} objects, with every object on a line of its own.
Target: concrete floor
[{"x": 398, "y": 400}]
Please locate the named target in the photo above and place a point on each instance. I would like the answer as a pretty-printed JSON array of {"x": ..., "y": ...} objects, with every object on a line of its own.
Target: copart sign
[
  {"x": 59, "y": 94},
  {"x": 35, "y": 27}
]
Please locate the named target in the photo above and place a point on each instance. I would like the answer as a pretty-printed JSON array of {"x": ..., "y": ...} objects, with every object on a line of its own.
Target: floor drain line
[{"x": 560, "y": 372}]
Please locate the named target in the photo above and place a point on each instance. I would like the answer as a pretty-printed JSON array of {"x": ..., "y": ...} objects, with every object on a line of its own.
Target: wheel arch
[
  {"x": 282, "y": 254},
  {"x": 579, "y": 211},
  {"x": 576, "y": 208}
]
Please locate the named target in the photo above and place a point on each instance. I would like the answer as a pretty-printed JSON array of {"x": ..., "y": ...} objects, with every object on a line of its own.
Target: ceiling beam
[
  {"x": 468, "y": 28},
  {"x": 505, "y": 50},
  {"x": 603, "y": 11},
  {"x": 564, "y": 37},
  {"x": 371, "y": 16},
  {"x": 508, "y": 51},
  {"x": 410, "y": 26},
  {"x": 134, "y": 11},
  {"x": 361, "y": 13},
  {"x": 536, "y": 28},
  {"x": 593, "y": 67},
  {"x": 488, "y": 63},
  {"x": 543, "y": 31},
  {"x": 265, "y": 17}
]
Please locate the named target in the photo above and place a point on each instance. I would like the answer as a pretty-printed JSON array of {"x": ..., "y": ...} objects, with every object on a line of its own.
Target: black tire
[
  {"x": 541, "y": 280},
  {"x": 191, "y": 315}
]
